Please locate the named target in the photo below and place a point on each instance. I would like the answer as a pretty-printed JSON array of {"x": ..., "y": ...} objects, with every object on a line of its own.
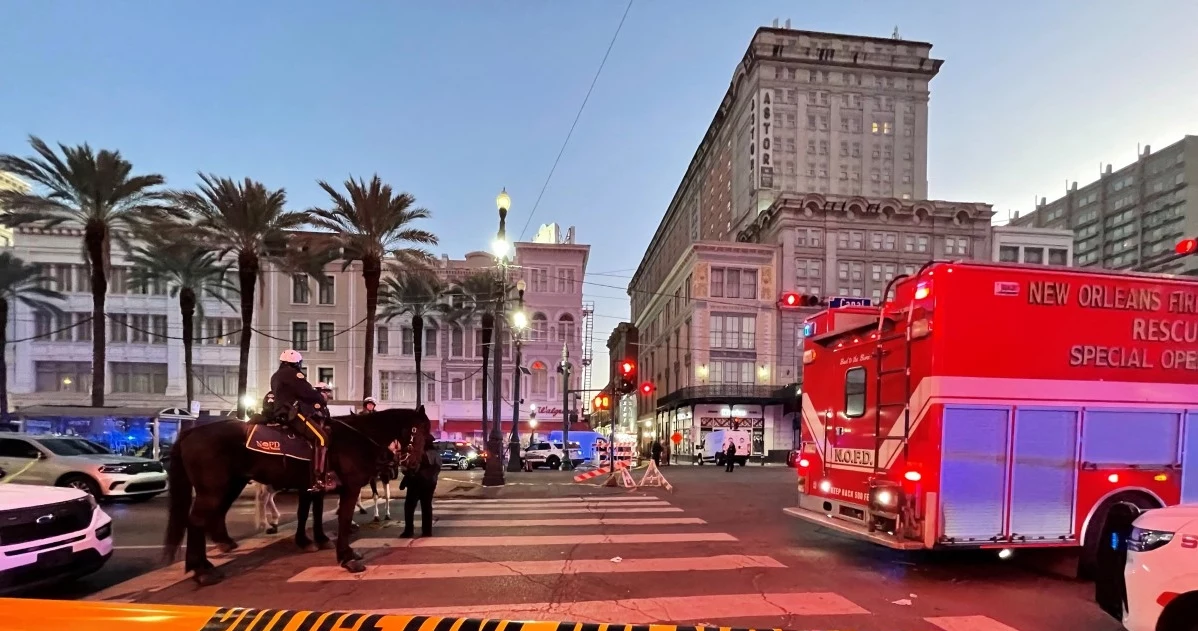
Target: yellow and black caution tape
[{"x": 40, "y": 615}]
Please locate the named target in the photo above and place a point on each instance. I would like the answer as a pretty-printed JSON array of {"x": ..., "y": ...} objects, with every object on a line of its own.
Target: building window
[
  {"x": 921, "y": 243},
  {"x": 405, "y": 341},
  {"x": 733, "y": 283},
  {"x": 956, "y": 245},
  {"x": 139, "y": 328},
  {"x": 1058, "y": 256},
  {"x": 299, "y": 289},
  {"x": 325, "y": 374},
  {"x": 299, "y": 336},
  {"x": 63, "y": 377},
  {"x": 138, "y": 378},
  {"x": 430, "y": 339},
  {"x": 118, "y": 331},
  {"x": 1008, "y": 254},
  {"x": 456, "y": 387},
  {"x": 1034, "y": 256},
  {"x": 382, "y": 339},
  {"x": 565, "y": 281},
  {"x": 43, "y": 324},
  {"x": 457, "y": 341},
  {"x": 565, "y": 325},
  {"x": 220, "y": 381},
  {"x": 539, "y": 278},
  {"x": 735, "y": 332},
  {"x": 328, "y": 291},
  {"x": 731, "y": 372},
  {"x": 326, "y": 343},
  {"x": 854, "y": 392},
  {"x": 540, "y": 379},
  {"x": 540, "y": 327},
  {"x": 62, "y": 327},
  {"x": 83, "y": 327}
]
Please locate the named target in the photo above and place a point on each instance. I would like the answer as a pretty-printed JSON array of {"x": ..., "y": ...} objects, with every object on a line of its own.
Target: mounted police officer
[
  {"x": 368, "y": 405},
  {"x": 302, "y": 407},
  {"x": 269, "y": 411}
]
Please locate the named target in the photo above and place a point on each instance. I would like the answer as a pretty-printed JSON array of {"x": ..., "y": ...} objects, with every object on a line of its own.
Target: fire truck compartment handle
[{"x": 1091, "y": 466}]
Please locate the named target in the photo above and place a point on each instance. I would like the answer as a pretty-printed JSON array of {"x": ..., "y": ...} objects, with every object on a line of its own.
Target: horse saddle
[{"x": 278, "y": 440}]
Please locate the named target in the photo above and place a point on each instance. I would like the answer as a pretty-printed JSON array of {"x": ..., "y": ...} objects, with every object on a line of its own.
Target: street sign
[{"x": 848, "y": 301}]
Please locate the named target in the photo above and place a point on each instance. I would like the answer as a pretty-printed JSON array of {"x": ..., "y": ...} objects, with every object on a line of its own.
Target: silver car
[{"x": 78, "y": 463}]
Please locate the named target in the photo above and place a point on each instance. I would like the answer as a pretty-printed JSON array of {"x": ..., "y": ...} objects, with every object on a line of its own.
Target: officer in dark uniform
[
  {"x": 368, "y": 405},
  {"x": 302, "y": 407},
  {"x": 269, "y": 411}
]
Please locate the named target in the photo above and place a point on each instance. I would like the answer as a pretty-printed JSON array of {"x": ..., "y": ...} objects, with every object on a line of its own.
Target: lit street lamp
[
  {"x": 493, "y": 475},
  {"x": 519, "y": 323}
]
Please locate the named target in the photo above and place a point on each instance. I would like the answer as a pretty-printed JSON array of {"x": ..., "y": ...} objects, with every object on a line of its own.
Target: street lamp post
[
  {"x": 493, "y": 476},
  {"x": 565, "y": 369},
  {"x": 519, "y": 322}
]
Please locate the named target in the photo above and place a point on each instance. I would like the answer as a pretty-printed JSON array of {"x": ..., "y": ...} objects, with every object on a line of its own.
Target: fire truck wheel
[
  {"x": 1087, "y": 564},
  {"x": 1181, "y": 614}
]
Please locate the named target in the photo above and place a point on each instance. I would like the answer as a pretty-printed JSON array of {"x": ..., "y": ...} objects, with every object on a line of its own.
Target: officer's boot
[{"x": 319, "y": 476}]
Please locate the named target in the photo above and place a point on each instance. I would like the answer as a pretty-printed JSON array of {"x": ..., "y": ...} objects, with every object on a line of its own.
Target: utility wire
[{"x": 576, "y": 119}]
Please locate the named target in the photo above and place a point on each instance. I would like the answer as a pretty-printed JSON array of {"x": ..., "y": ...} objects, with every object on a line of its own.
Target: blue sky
[{"x": 452, "y": 100}]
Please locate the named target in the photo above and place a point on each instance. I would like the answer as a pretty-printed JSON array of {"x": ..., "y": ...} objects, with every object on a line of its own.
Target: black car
[{"x": 461, "y": 455}]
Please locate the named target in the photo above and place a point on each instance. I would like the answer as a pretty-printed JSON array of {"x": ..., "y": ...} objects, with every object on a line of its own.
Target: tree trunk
[
  {"x": 418, "y": 351},
  {"x": 371, "y": 271},
  {"x": 247, "y": 278},
  {"x": 488, "y": 324},
  {"x": 187, "y": 307},
  {"x": 4, "y": 419},
  {"x": 94, "y": 239}
]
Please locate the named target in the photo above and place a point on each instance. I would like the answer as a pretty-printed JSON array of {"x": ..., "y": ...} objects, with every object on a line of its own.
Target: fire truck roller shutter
[
  {"x": 1044, "y": 473},
  {"x": 973, "y": 472}
]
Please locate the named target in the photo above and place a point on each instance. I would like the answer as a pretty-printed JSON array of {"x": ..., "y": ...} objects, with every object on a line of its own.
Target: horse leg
[
  {"x": 301, "y": 526},
  {"x": 321, "y": 539},
  {"x": 387, "y": 493},
  {"x": 374, "y": 492},
  {"x": 348, "y": 559},
  {"x": 203, "y": 510},
  {"x": 272, "y": 512},
  {"x": 260, "y": 495},
  {"x": 218, "y": 528}
]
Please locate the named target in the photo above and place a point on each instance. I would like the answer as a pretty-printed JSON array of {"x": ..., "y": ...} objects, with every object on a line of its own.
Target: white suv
[
  {"x": 50, "y": 534},
  {"x": 552, "y": 455},
  {"x": 81, "y": 464},
  {"x": 1160, "y": 576}
]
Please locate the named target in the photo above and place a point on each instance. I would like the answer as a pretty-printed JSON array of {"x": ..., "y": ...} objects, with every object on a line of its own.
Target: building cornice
[{"x": 848, "y": 208}]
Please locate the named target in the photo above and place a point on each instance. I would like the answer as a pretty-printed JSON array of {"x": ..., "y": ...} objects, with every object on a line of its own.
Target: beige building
[
  {"x": 1033, "y": 246},
  {"x": 1133, "y": 217},
  {"x": 812, "y": 177}
]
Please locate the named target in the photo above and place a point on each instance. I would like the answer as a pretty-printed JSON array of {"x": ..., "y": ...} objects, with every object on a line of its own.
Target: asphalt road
[{"x": 716, "y": 550}]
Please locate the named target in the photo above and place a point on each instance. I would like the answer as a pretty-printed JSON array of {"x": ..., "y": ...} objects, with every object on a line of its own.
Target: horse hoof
[
  {"x": 407, "y": 534},
  {"x": 376, "y": 520},
  {"x": 273, "y": 530},
  {"x": 310, "y": 547},
  {"x": 353, "y": 526},
  {"x": 325, "y": 545},
  {"x": 208, "y": 577},
  {"x": 227, "y": 547},
  {"x": 354, "y": 566},
  {"x": 361, "y": 511},
  {"x": 357, "y": 556}
]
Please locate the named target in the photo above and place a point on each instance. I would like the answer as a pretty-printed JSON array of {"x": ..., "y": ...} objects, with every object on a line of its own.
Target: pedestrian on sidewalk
[
  {"x": 665, "y": 451},
  {"x": 657, "y": 452},
  {"x": 729, "y": 456},
  {"x": 420, "y": 485}
]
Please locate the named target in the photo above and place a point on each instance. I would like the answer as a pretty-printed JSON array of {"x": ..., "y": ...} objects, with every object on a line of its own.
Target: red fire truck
[{"x": 1002, "y": 406}]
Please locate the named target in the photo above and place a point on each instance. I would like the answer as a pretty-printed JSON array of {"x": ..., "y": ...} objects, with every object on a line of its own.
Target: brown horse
[{"x": 214, "y": 461}]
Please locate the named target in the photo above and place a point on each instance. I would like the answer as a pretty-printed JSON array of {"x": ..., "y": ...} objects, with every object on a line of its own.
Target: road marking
[
  {"x": 530, "y": 568},
  {"x": 969, "y": 623},
  {"x": 504, "y": 541},
  {"x": 565, "y": 506},
  {"x": 569, "y": 521},
  {"x": 596, "y": 510},
  {"x": 651, "y": 610},
  {"x": 555, "y": 500}
]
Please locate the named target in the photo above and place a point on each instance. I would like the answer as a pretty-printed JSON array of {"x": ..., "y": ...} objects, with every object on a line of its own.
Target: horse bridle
[{"x": 386, "y": 449}]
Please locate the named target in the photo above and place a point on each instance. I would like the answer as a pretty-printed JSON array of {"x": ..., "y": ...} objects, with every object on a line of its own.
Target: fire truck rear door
[
  {"x": 1189, "y": 461},
  {"x": 973, "y": 472},
  {"x": 1044, "y": 473}
]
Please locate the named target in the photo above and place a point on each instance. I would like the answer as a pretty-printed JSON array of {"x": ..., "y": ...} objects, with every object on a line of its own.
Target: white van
[{"x": 716, "y": 441}]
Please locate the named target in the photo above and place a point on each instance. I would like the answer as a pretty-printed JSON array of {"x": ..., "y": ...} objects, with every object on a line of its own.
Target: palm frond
[
  {"x": 411, "y": 294},
  {"x": 371, "y": 221},
  {"x": 25, "y": 283}
]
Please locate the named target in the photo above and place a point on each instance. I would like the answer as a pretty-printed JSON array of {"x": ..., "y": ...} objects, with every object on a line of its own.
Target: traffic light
[
  {"x": 1187, "y": 246},
  {"x": 647, "y": 388},
  {"x": 627, "y": 377},
  {"x": 600, "y": 402},
  {"x": 793, "y": 300}
]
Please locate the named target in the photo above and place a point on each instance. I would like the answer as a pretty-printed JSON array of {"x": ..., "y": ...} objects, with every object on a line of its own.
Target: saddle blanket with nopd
[{"x": 277, "y": 440}]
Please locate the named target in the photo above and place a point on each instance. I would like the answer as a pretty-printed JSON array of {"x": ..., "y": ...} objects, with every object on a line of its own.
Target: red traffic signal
[
  {"x": 1187, "y": 246},
  {"x": 792, "y": 300},
  {"x": 647, "y": 388},
  {"x": 627, "y": 368}
]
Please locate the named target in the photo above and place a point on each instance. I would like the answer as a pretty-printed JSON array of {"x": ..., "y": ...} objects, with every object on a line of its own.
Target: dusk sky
[{"x": 453, "y": 100}]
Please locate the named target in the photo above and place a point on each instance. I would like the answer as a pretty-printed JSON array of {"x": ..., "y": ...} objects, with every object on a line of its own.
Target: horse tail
[{"x": 180, "y": 502}]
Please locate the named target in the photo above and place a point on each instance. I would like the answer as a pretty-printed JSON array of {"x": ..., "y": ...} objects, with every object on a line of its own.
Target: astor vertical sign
[{"x": 765, "y": 122}]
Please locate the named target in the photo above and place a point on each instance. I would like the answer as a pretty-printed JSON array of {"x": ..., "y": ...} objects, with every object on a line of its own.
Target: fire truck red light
[
  {"x": 1113, "y": 478},
  {"x": 913, "y": 476}
]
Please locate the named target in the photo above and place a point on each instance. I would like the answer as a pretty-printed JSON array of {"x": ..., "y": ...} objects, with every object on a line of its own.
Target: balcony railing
[{"x": 759, "y": 394}]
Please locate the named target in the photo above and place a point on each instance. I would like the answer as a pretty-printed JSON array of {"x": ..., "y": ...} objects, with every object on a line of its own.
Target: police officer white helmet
[
  {"x": 291, "y": 356},
  {"x": 370, "y": 400}
]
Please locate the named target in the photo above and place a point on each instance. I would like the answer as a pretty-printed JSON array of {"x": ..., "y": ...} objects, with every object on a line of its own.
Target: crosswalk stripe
[
  {"x": 529, "y": 568},
  {"x": 553, "y": 500},
  {"x": 504, "y": 541},
  {"x": 969, "y": 623},
  {"x": 651, "y": 610},
  {"x": 597, "y": 510},
  {"x": 570, "y": 521}
]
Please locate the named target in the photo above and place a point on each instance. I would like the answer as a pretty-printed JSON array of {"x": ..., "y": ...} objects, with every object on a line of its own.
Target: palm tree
[
  {"x": 371, "y": 222},
  {"x": 19, "y": 281},
  {"x": 95, "y": 191},
  {"x": 416, "y": 294},
  {"x": 245, "y": 220},
  {"x": 476, "y": 296},
  {"x": 189, "y": 272}
]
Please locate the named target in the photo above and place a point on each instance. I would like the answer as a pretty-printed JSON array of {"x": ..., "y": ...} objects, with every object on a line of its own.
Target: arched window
[
  {"x": 457, "y": 341},
  {"x": 540, "y": 327},
  {"x": 540, "y": 378},
  {"x": 565, "y": 327}
]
